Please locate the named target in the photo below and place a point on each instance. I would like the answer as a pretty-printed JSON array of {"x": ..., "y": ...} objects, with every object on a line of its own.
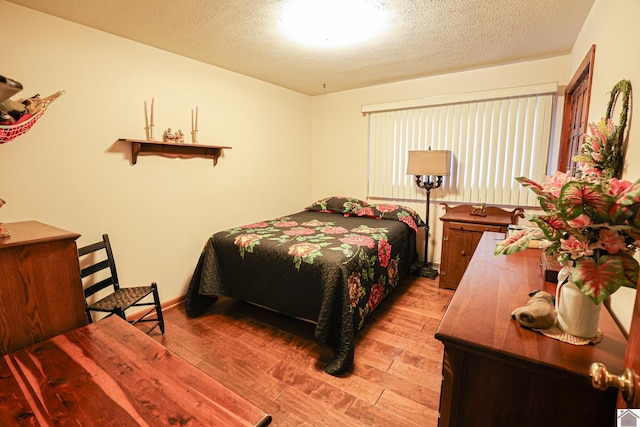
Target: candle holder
[
  {"x": 194, "y": 136},
  {"x": 151, "y": 138}
]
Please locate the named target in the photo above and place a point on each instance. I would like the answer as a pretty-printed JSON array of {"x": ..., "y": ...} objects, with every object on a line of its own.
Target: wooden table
[
  {"x": 111, "y": 374},
  {"x": 496, "y": 373}
]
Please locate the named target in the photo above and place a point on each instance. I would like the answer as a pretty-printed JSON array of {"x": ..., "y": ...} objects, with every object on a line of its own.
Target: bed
[{"x": 331, "y": 264}]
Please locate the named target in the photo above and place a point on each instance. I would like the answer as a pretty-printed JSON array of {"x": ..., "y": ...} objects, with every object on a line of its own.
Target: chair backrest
[{"x": 92, "y": 261}]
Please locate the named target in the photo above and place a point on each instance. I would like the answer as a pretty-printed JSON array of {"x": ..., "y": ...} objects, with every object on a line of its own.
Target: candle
[
  {"x": 146, "y": 121},
  {"x": 152, "y": 102},
  {"x": 196, "y": 118},
  {"x": 192, "y": 128}
]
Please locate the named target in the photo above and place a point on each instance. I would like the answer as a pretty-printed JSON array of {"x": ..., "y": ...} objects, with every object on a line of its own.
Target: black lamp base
[{"x": 423, "y": 269}]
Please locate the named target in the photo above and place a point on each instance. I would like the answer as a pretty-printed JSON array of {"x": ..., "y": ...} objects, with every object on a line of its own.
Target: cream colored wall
[
  {"x": 612, "y": 25},
  {"x": 339, "y": 130},
  {"x": 70, "y": 172},
  {"x": 287, "y": 148}
]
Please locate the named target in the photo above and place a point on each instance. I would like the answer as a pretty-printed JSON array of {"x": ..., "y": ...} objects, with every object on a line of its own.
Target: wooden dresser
[
  {"x": 496, "y": 373},
  {"x": 40, "y": 290},
  {"x": 461, "y": 232}
]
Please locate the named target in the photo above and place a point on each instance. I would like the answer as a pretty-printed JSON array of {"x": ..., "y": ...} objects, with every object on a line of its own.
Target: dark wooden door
[
  {"x": 577, "y": 124},
  {"x": 576, "y": 113},
  {"x": 632, "y": 357}
]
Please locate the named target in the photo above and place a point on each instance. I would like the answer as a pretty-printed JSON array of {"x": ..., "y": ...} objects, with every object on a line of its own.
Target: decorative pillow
[
  {"x": 387, "y": 211},
  {"x": 337, "y": 204}
]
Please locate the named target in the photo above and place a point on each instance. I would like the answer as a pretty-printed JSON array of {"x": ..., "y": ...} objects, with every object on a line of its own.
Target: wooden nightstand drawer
[{"x": 475, "y": 228}]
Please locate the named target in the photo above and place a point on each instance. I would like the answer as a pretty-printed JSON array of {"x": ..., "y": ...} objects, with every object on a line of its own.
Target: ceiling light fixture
[{"x": 332, "y": 23}]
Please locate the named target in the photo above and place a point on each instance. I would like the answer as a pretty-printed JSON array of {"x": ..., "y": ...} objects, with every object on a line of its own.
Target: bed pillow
[
  {"x": 337, "y": 204},
  {"x": 389, "y": 211}
]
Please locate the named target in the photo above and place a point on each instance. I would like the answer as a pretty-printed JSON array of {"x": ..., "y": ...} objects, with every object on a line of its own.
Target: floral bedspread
[{"x": 327, "y": 267}]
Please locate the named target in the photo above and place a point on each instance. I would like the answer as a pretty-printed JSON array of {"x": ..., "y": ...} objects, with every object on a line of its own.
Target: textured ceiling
[{"x": 424, "y": 38}]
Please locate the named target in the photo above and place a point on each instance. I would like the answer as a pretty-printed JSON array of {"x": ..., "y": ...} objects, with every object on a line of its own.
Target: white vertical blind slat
[{"x": 493, "y": 141}]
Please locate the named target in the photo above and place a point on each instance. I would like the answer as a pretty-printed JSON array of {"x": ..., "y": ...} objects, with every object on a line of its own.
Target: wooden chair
[{"x": 98, "y": 271}]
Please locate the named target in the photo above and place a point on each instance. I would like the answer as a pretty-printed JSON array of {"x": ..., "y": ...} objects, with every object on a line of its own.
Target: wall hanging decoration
[
  {"x": 591, "y": 224},
  {"x": 16, "y": 118},
  {"x": 603, "y": 147}
]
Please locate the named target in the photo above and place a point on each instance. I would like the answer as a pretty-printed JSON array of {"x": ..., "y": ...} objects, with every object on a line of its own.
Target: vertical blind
[{"x": 494, "y": 137}]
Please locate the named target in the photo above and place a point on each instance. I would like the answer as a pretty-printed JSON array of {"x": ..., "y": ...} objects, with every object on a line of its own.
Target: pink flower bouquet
[{"x": 591, "y": 221}]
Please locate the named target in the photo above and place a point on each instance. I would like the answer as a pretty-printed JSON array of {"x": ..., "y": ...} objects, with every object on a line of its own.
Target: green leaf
[
  {"x": 549, "y": 204},
  {"x": 631, "y": 269},
  {"x": 600, "y": 277},
  {"x": 531, "y": 184},
  {"x": 551, "y": 225},
  {"x": 627, "y": 207},
  {"x": 345, "y": 249},
  {"x": 517, "y": 242},
  {"x": 579, "y": 197}
]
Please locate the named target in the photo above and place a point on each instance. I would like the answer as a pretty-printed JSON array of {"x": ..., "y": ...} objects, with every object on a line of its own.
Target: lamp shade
[{"x": 429, "y": 162}]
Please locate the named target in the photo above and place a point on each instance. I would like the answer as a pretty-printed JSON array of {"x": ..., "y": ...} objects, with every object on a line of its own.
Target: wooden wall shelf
[{"x": 169, "y": 149}]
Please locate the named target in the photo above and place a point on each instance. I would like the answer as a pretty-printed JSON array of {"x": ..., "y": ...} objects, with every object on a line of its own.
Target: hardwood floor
[{"x": 276, "y": 363}]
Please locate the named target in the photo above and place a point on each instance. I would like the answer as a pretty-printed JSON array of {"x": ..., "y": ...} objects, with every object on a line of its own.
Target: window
[{"x": 494, "y": 136}]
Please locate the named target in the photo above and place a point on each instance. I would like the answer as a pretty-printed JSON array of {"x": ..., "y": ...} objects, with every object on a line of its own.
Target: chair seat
[
  {"x": 123, "y": 297},
  {"x": 98, "y": 274}
]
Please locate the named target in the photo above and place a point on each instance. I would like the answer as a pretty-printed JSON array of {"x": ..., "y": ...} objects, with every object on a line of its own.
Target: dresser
[
  {"x": 462, "y": 228},
  {"x": 496, "y": 373},
  {"x": 40, "y": 290}
]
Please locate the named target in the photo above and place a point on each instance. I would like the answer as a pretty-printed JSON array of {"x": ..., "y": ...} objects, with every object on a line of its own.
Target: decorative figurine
[
  {"x": 168, "y": 136},
  {"x": 3, "y": 231},
  {"x": 478, "y": 210},
  {"x": 538, "y": 313},
  {"x": 179, "y": 136}
]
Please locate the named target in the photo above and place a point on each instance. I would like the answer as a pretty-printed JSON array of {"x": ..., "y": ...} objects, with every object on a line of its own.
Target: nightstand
[{"x": 462, "y": 228}]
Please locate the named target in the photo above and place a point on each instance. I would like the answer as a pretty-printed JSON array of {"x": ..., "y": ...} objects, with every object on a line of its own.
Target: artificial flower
[{"x": 591, "y": 220}]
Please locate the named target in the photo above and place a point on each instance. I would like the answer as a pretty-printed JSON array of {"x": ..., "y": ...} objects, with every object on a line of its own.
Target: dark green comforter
[{"x": 325, "y": 267}]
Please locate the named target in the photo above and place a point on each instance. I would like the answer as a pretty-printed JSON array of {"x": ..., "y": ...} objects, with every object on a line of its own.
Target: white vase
[{"x": 578, "y": 315}]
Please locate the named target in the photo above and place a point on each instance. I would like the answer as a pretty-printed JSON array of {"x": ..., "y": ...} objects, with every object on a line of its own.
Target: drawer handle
[{"x": 463, "y": 253}]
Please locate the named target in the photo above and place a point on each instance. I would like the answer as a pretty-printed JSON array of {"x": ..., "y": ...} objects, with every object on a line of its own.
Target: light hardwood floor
[{"x": 276, "y": 363}]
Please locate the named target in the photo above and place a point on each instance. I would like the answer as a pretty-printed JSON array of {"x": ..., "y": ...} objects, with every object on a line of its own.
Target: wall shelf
[{"x": 170, "y": 149}]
